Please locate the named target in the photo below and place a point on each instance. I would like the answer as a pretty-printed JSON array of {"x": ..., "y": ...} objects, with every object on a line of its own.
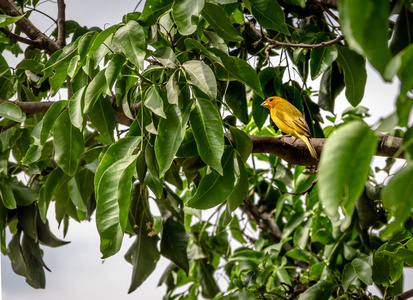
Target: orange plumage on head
[{"x": 289, "y": 120}]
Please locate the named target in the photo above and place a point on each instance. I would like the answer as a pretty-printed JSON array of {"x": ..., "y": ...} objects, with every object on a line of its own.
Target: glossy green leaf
[
  {"x": 349, "y": 276},
  {"x": 31, "y": 65},
  {"x": 174, "y": 243},
  {"x": 12, "y": 112},
  {"x": 183, "y": 12},
  {"x": 322, "y": 290},
  {"x": 236, "y": 99},
  {"x": 362, "y": 267},
  {"x": 355, "y": 76},
  {"x": 400, "y": 65},
  {"x": 331, "y": 85},
  {"x": 200, "y": 75},
  {"x": 321, "y": 58},
  {"x": 68, "y": 142},
  {"x": 103, "y": 119},
  {"x": 94, "y": 90},
  {"x": 154, "y": 102},
  {"x": 365, "y": 26},
  {"x": 144, "y": 253},
  {"x": 344, "y": 167},
  {"x": 7, "y": 196},
  {"x": 153, "y": 9},
  {"x": 269, "y": 14},
  {"x": 397, "y": 197},
  {"x": 241, "y": 185},
  {"x": 113, "y": 191},
  {"x": 171, "y": 134},
  {"x": 100, "y": 38},
  {"x": 46, "y": 237},
  {"x": 214, "y": 188},
  {"x": 219, "y": 21},
  {"x": 241, "y": 142},
  {"x": 53, "y": 182},
  {"x": 131, "y": 40},
  {"x": 205, "y": 274},
  {"x": 206, "y": 126},
  {"x": 6, "y": 20}
]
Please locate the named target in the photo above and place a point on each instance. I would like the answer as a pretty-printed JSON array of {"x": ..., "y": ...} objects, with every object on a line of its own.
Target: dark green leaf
[
  {"x": 320, "y": 291},
  {"x": 76, "y": 108},
  {"x": 101, "y": 37},
  {"x": 240, "y": 191},
  {"x": 206, "y": 279},
  {"x": 355, "y": 76},
  {"x": 331, "y": 85},
  {"x": 46, "y": 237},
  {"x": 68, "y": 142},
  {"x": 242, "y": 142},
  {"x": 103, "y": 119},
  {"x": 321, "y": 58},
  {"x": 166, "y": 56},
  {"x": 174, "y": 243},
  {"x": 219, "y": 21},
  {"x": 363, "y": 269},
  {"x": 94, "y": 90},
  {"x": 7, "y": 196},
  {"x": 236, "y": 99},
  {"x": 113, "y": 70},
  {"x": 183, "y": 12},
  {"x": 344, "y": 167},
  {"x": 206, "y": 126},
  {"x": 269, "y": 14},
  {"x": 171, "y": 134},
  {"x": 403, "y": 31},
  {"x": 400, "y": 65},
  {"x": 153, "y": 9},
  {"x": 154, "y": 102},
  {"x": 213, "y": 188},
  {"x": 349, "y": 276}
]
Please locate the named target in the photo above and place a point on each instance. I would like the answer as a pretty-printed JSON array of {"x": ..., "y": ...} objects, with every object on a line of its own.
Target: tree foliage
[{"x": 164, "y": 109}]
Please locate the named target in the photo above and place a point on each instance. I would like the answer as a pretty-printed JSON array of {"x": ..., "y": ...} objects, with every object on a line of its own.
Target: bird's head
[{"x": 271, "y": 101}]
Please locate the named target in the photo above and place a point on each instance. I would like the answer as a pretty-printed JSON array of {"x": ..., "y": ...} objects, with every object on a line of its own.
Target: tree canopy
[{"x": 164, "y": 109}]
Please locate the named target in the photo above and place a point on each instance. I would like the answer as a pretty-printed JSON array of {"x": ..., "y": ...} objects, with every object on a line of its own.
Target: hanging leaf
[
  {"x": 183, "y": 11},
  {"x": 200, "y": 75}
]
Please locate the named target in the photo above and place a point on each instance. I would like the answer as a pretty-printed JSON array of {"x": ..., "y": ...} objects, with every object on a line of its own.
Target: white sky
[{"x": 77, "y": 270}]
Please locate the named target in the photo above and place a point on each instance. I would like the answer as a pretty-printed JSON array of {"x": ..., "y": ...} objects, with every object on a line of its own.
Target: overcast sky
[{"x": 77, "y": 270}]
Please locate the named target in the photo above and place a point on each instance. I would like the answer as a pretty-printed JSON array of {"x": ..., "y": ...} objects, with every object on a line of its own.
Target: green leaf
[
  {"x": 236, "y": 99},
  {"x": 321, "y": 58},
  {"x": 322, "y": 290},
  {"x": 7, "y": 196},
  {"x": 113, "y": 191},
  {"x": 144, "y": 253},
  {"x": 365, "y": 26},
  {"x": 113, "y": 70},
  {"x": 331, "y": 85},
  {"x": 171, "y": 134},
  {"x": 183, "y": 12},
  {"x": 101, "y": 37},
  {"x": 6, "y": 20},
  {"x": 344, "y": 167},
  {"x": 68, "y": 142},
  {"x": 131, "y": 40},
  {"x": 269, "y": 14},
  {"x": 349, "y": 276},
  {"x": 11, "y": 112},
  {"x": 103, "y": 119},
  {"x": 400, "y": 65},
  {"x": 154, "y": 102},
  {"x": 397, "y": 196},
  {"x": 363, "y": 269},
  {"x": 46, "y": 237},
  {"x": 403, "y": 31},
  {"x": 76, "y": 108},
  {"x": 240, "y": 190},
  {"x": 49, "y": 120},
  {"x": 174, "y": 243},
  {"x": 200, "y": 75},
  {"x": 206, "y": 126},
  {"x": 219, "y": 21},
  {"x": 153, "y": 9},
  {"x": 31, "y": 65},
  {"x": 206, "y": 279},
  {"x": 355, "y": 75},
  {"x": 213, "y": 188},
  {"x": 94, "y": 90},
  {"x": 166, "y": 56},
  {"x": 242, "y": 142}
]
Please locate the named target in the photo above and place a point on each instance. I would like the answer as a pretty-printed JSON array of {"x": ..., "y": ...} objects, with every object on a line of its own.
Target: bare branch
[
  {"x": 406, "y": 295},
  {"x": 61, "y": 23},
  {"x": 41, "y": 40},
  {"x": 274, "y": 43},
  {"x": 327, "y": 10}
]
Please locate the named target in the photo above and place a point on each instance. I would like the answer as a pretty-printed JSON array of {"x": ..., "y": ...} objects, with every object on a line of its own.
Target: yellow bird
[{"x": 289, "y": 120}]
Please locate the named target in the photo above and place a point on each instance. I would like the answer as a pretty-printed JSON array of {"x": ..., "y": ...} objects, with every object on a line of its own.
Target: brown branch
[
  {"x": 274, "y": 43},
  {"x": 327, "y": 10},
  {"x": 403, "y": 296},
  {"x": 41, "y": 40},
  {"x": 267, "y": 224},
  {"x": 61, "y": 23},
  {"x": 18, "y": 38}
]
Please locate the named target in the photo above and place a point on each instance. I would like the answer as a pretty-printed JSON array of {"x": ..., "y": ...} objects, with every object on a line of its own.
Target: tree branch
[
  {"x": 274, "y": 43},
  {"x": 61, "y": 23},
  {"x": 40, "y": 40},
  {"x": 403, "y": 296},
  {"x": 289, "y": 149}
]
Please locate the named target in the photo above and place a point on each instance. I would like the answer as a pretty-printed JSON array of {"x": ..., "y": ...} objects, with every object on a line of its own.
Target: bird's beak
[{"x": 264, "y": 104}]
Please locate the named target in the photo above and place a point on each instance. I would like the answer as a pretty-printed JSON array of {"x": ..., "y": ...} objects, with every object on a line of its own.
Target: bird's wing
[{"x": 292, "y": 118}]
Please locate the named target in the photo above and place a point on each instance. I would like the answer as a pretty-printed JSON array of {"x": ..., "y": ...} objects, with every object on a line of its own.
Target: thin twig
[
  {"x": 327, "y": 10},
  {"x": 274, "y": 43},
  {"x": 5, "y": 127},
  {"x": 61, "y": 23}
]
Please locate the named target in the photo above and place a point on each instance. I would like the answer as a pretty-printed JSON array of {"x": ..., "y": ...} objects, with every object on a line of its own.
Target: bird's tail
[{"x": 310, "y": 147}]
